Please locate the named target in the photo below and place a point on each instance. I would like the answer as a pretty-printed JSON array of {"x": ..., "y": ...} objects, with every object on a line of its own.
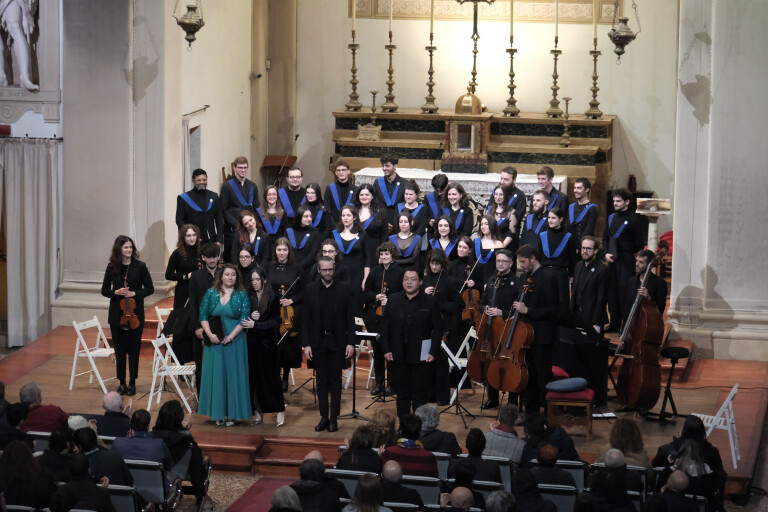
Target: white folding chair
[
  {"x": 725, "y": 419},
  {"x": 161, "y": 313},
  {"x": 166, "y": 364},
  {"x": 459, "y": 360},
  {"x": 91, "y": 353},
  {"x": 364, "y": 345}
]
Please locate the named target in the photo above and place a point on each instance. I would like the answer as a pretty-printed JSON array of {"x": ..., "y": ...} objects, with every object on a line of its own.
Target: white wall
[{"x": 641, "y": 90}]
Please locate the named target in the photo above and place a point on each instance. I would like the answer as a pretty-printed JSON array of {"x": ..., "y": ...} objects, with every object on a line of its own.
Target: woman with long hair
[
  {"x": 467, "y": 276},
  {"x": 486, "y": 246},
  {"x": 245, "y": 263},
  {"x": 263, "y": 355},
  {"x": 504, "y": 215},
  {"x": 446, "y": 237},
  {"x": 372, "y": 218},
  {"x": 361, "y": 454},
  {"x": 271, "y": 213},
  {"x": 412, "y": 205},
  {"x": 407, "y": 242},
  {"x": 558, "y": 251},
  {"x": 285, "y": 277},
  {"x": 184, "y": 260},
  {"x": 251, "y": 235},
  {"x": 126, "y": 283},
  {"x": 353, "y": 245},
  {"x": 224, "y": 392},
  {"x": 304, "y": 238},
  {"x": 456, "y": 206},
  {"x": 321, "y": 219},
  {"x": 368, "y": 496},
  {"x": 626, "y": 436}
]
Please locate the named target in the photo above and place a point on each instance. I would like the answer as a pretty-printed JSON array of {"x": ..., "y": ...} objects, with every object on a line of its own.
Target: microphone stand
[{"x": 280, "y": 172}]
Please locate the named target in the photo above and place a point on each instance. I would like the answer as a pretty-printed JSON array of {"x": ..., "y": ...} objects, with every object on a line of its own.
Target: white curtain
[{"x": 29, "y": 177}]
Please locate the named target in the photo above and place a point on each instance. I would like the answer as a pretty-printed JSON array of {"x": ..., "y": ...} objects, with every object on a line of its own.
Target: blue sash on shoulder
[
  {"x": 390, "y": 200},
  {"x": 255, "y": 247},
  {"x": 340, "y": 242},
  {"x": 287, "y": 206},
  {"x": 368, "y": 222},
  {"x": 335, "y": 194},
  {"x": 192, "y": 204},
  {"x": 529, "y": 224},
  {"x": 572, "y": 210},
  {"x": 292, "y": 237},
  {"x": 545, "y": 245},
  {"x": 433, "y": 204},
  {"x": 318, "y": 218},
  {"x": 239, "y": 195},
  {"x": 410, "y": 249},
  {"x": 618, "y": 231},
  {"x": 554, "y": 199},
  {"x": 415, "y": 211},
  {"x": 459, "y": 218},
  {"x": 270, "y": 227},
  {"x": 479, "y": 252}
]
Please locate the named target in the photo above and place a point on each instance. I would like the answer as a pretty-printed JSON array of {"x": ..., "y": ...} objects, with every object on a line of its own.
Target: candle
[
  {"x": 557, "y": 15},
  {"x": 511, "y": 18},
  {"x": 354, "y": 14},
  {"x": 594, "y": 19},
  {"x": 432, "y": 18},
  {"x": 391, "y": 9}
]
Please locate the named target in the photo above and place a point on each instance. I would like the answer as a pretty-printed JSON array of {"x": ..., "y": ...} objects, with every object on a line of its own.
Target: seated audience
[
  {"x": 626, "y": 436},
  {"x": 58, "y": 456},
  {"x": 103, "y": 462},
  {"x": 384, "y": 425},
  {"x": 22, "y": 479},
  {"x": 431, "y": 438},
  {"x": 526, "y": 492},
  {"x": 328, "y": 481},
  {"x": 500, "y": 501},
  {"x": 141, "y": 446},
  {"x": 485, "y": 470},
  {"x": 539, "y": 433},
  {"x": 609, "y": 488},
  {"x": 464, "y": 476},
  {"x": 546, "y": 472},
  {"x": 674, "y": 493},
  {"x": 368, "y": 496},
  {"x": 408, "y": 451},
  {"x": 285, "y": 499},
  {"x": 702, "y": 479},
  {"x": 313, "y": 495},
  {"x": 88, "y": 495},
  {"x": 40, "y": 418},
  {"x": 360, "y": 454},
  {"x": 585, "y": 502},
  {"x": 10, "y": 429},
  {"x": 502, "y": 440},
  {"x": 614, "y": 460},
  {"x": 393, "y": 489},
  {"x": 459, "y": 500},
  {"x": 117, "y": 416}
]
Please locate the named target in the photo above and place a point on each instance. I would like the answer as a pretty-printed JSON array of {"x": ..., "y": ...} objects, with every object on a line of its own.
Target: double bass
[
  {"x": 639, "y": 382},
  {"x": 489, "y": 330},
  {"x": 508, "y": 371}
]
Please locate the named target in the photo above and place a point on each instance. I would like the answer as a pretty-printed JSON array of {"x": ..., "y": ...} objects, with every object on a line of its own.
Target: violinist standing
[
  {"x": 507, "y": 287},
  {"x": 328, "y": 337},
  {"x": 126, "y": 283}
]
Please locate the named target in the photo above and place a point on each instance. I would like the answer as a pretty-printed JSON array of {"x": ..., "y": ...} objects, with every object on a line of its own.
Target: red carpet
[{"x": 259, "y": 497}]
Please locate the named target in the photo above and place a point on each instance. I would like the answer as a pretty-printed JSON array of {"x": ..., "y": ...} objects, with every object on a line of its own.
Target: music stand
[
  {"x": 455, "y": 400},
  {"x": 354, "y": 414}
]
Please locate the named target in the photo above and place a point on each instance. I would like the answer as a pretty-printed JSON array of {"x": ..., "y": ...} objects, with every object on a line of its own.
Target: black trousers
[
  {"x": 539, "y": 361},
  {"x": 329, "y": 364},
  {"x": 410, "y": 382},
  {"x": 126, "y": 343}
]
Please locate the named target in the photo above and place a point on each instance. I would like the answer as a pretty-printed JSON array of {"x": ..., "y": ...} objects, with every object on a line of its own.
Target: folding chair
[
  {"x": 459, "y": 360},
  {"x": 443, "y": 461},
  {"x": 161, "y": 312},
  {"x": 563, "y": 496},
  {"x": 428, "y": 487},
  {"x": 151, "y": 481},
  {"x": 577, "y": 469},
  {"x": 167, "y": 365},
  {"x": 347, "y": 477},
  {"x": 97, "y": 351},
  {"x": 363, "y": 331}
]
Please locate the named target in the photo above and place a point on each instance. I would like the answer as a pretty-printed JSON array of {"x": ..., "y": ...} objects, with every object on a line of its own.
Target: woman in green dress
[{"x": 224, "y": 394}]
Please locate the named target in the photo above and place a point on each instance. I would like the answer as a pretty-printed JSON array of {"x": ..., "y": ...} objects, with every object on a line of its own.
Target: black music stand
[
  {"x": 354, "y": 414},
  {"x": 459, "y": 409}
]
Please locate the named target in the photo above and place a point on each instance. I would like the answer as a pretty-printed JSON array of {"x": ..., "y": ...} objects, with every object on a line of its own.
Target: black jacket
[
  {"x": 402, "y": 335},
  {"x": 439, "y": 441},
  {"x": 231, "y": 206},
  {"x": 209, "y": 220},
  {"x": 588, "y": 294},
  {"x": 360, "y": 460},
  {"x": 344, "y": 321},
  {"x": 139, "y": 281}
]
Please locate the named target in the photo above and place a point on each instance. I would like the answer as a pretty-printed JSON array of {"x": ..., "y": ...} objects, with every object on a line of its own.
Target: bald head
[
  {"x": 678, "y": 481},
  {"x": 462, "y": 498},
  {"x": 392, "y": 472},
  {"x": 113, "y": 402},
  {"x": 614, "y": 458},
  {"x": 315, "y": 454}
]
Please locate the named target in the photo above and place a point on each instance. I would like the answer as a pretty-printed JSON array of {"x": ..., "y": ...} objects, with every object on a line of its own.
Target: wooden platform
[{"x": 268, "y": 450}]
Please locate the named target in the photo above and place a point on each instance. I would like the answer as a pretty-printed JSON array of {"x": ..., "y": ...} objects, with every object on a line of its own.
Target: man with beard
[
  {"x": 389, "y": 189},
  {"x": 655, "y": 289},
  {"x": 237, "y": 194},
  {"x": 582, "y": 214},
  {"x": 199, "y": 283},
  {"x": 536, "y": 222},
  {"x": 202, "y": 208},
  {"x": 517, "y": 199},
  {"x": 587, "y": 305},
  {"x": 339, "y": 193},
  {"x": 544, "y": 176},
  {"x": 292, "y": 195}
]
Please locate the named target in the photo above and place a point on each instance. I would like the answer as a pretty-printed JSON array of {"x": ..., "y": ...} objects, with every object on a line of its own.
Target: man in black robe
[{"x": 201, "y": 207}]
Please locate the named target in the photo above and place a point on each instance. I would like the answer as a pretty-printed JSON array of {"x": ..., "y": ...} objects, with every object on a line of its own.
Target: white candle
[
  {"x": 511, "y": 18},
  {"x": 594, "y": 19},
  {"x": 557, "y": 15},
  {"x": 432, "y": 18},
  {"x": 391, "y": 9},
  {"x": 354, "y": 14}
]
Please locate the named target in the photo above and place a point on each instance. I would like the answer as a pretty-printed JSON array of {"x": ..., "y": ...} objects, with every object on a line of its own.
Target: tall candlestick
[
  {"x": 511, "y": 19},
  {"x": 391, "y": 9},
  {"x": 594, "y": 19},
  {"x": 432, "y": 19},
  {"x": 557, "y": 16},
  {"x": 354, "y": 14}
]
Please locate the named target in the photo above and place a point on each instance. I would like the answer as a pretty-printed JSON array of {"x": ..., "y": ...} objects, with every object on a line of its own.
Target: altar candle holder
[
  {"x": 430, "y": 107},
  {"x": 565, "y": 140},
  {"x": 594, "y": 112},
  {"x": 353, "y": 104},
  {"x": 390, "y": 105},
  {"x": 554, "y": 110},
  {"x": 511, "y": 109}
]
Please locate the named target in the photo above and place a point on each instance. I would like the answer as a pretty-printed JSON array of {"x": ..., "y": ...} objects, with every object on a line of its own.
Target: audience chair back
[
  {"x": 347, "y": 477},
  {"x": 443, "y": 461},
  {"x": 151, "y": 481},
  {"x": 563, "y": 496},
  {"x": 428, "y": 487},
  {"x": 124, "y": 498},
  {"x": 578, "y": 469}
]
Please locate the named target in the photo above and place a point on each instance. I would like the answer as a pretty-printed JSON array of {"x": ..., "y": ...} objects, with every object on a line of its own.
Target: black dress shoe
[
  {"x": 443, "y": 403},
  {"x": 377, "y": 389},
  {"x": 323, "y": 425},
  {"x": 490, "y": 404},
  {"x": 122, "y": 389},
  {"x": 333, "y": 425},
  {"x": 388, "y": 391},
  {"x": 131, "y": 391}
]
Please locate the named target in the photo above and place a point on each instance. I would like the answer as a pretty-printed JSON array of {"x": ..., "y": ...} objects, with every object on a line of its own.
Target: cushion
[
  {"x": 567, "y": 385},
  {"x": 559, "y": 373},
  {"x": 585, "y": 395}
]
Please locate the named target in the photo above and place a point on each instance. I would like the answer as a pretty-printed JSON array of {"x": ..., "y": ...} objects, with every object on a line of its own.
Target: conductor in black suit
[
  {"x": 328, "y": 337},
  {"x": 411, "y": 332}
]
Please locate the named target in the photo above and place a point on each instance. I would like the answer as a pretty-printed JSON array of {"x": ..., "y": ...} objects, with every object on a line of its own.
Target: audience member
[
  {"x": 360, "y": 454},
  {"x": 393, "y": 489},
  {"x": 40, "y": 418},
  {"x": 526, "y": 492},
  {"x": 464, "y": 476},
  {"x": 502, "y": 440},
  {"x": 609, "y": 488},
  {"x": 626, "y": 436},
  {"x": 10, "y": 429},
  {"x": 139, "y": 445},
  {"x": 103, "y": 463},
  {"x": 58, "y": 456},
  {"x": 485, "y": 470},
  {"x": 539, "y": 433},
  {"x": 614, "y": 460},
  {"x": 431, "y": 438},
  {"x": 500, "y": 501},
  {"x": 89, "y": 496},
  {"x": 328, "y": 481},
  {"x": 702, "y": 479},
  {"x": 459, "y": 500},
  {"x": 116, "y": 419},
  {"x": 674, "y": 493},
  {"x": 546, "y": 472},
  {"x": 285, "y": 499},
  {"x": 313, "y": 495},
  {"x": 368, "y": 496},
  {"x": 22, "y": 479},
  {"x": 408, "y": 451},
  {"x": 384, "y": 423},
  {"x": 585, "y": 502}
]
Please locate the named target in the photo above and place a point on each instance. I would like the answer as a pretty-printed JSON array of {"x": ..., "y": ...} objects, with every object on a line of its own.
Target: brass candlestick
[
  {"x": 390, "y": 105},
  {"x": 554, "y": 104},
  {"x": 475, "y": 37},
  {"x": 565, "y": 140},
  {"x": 430, "y": 107},
  {"x": 511, "y": 109},
  {"x": 373, "y": 107},
  {"x": 353, "y": 104},
  {"x": 594, "y": 112}
]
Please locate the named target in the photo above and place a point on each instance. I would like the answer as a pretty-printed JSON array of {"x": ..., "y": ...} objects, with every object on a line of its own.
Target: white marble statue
[{"x": 17, "y": 19}]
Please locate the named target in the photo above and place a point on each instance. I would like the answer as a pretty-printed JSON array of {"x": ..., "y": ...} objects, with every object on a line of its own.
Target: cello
[
  {"x": 471, "y": 298},
  {"x": 488, "y": 333},
  {"x": 639, "y": 382},
  {"x": 508, "y": 371}
]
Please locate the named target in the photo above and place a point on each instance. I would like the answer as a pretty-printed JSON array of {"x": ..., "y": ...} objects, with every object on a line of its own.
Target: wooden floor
[{"x": 266, "y": 449}]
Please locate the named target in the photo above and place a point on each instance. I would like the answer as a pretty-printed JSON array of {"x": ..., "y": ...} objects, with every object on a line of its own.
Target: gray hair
[
  {"x": 30, "y": 394},
  {"x": 499, "y": 501},
  {"x": 113, "y": 402},
  {"x": 430, "y": 418},
  {"x": 286, "y": 498},
  {"x": 614, "y": 458}
]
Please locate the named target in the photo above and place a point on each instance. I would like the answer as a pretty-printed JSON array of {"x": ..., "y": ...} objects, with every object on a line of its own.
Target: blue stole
[
  {"x": 368, "y": 222},
  {"x": 318, "y": 217},
  {"x": 618, "y": 231},
  {"x": 572, "y": 210},
  {"x": 479, "y": 252},
  {"x": 239, "y": 195},
  {"x": 287, "y": 206},
  {"x": 292, "y": 237},
  {"x": 435, "y": 244},
  {"x": 192, "y": 204},
  {"x": 545, "y": 245},
  {"x": 335, "y": 194},
  {"x": 390, "y": 200},
  {"x": 512, "y": 199},
  {"x": 340, "y": 242},
  {"x": 410, "y": 249},
  {"x": 433, "y": 204},
  {"x": 270, "y": 227},
  {"x": 415, "y": 211},
  {"x": 459, "y": 217},
  {"x": 529, "y": 224},
  {"x": 255, "y": 247},
  {"x": 554, "y": 198}
]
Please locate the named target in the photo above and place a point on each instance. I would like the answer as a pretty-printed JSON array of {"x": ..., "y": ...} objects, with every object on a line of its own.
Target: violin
[
  {"x": 489, "y": 330},
  {"x": 128, "y": 319},
  {"x": 380, "y": 307},
  {"x": 286, "y": 312},
  {"x": 508, "y": 370},
  {"x": 471, "y": 298},
  {"x": 639, "y": 382}
]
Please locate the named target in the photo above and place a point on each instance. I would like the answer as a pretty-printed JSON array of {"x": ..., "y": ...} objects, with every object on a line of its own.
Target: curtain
[
  {"x": 29, "y": 174},
  {"x": 186, "y": 172}
]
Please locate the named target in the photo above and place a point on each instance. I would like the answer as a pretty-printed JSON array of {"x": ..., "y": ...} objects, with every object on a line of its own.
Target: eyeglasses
[
  {"x": 241, "y": 167},
  {"x": 587, "y": 248},
  {"x": 246, "y": 257},
  {"x": 326, "y": 270},
  {"x": 504, "y": 262}
]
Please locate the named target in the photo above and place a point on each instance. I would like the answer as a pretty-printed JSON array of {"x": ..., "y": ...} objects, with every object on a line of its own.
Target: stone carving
[{"x": 17, "y": 24}]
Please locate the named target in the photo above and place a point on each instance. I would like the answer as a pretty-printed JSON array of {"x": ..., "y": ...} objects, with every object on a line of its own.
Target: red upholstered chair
[{"x": 565, "y": 393}]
